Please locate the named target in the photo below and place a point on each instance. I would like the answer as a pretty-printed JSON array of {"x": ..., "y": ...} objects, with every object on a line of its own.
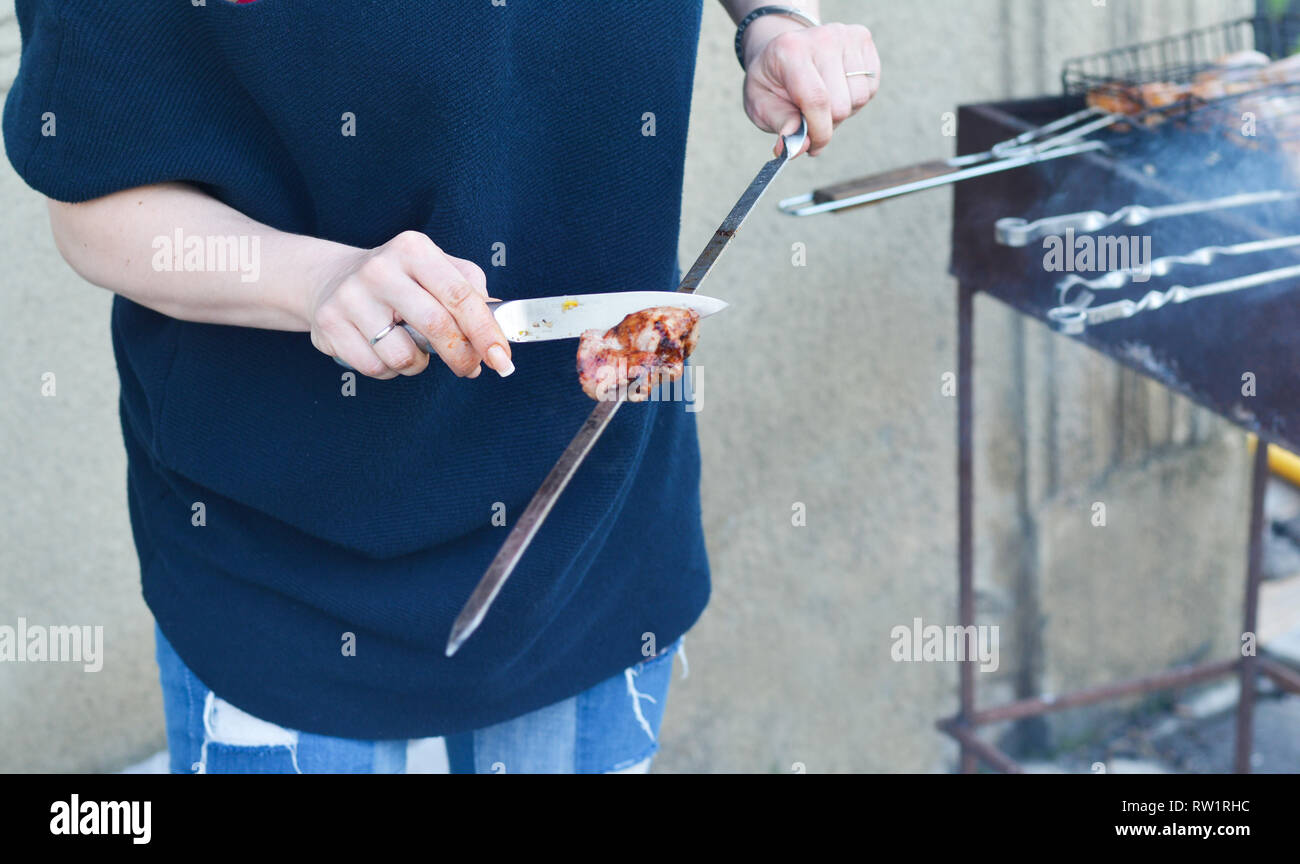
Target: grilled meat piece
[
  {"x": 645, "y": 349},
  {"x": 1231, "y": 74},
  {"x": 1115, "y": 99},
  {"x": 1130, "y": 101}
]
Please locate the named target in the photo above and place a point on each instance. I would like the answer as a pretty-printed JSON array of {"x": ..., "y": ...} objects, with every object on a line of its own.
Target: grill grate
[{"x": 1179, "y": 59}]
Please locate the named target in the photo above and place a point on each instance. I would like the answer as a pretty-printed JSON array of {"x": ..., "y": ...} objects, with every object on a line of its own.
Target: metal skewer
[
  {"x": 544, "y": 499},
  {"x": 1076, "y": 319},
  {"x": 1035, "y": 145},
  {"x": 1202, "y": 257},
  {"x": 1013, "y": 231},
  {"x": 930, "y": 176},
  {"x": 1004, "y": 148}
]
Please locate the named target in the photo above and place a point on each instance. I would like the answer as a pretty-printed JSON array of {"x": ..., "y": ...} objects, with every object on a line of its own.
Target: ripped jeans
[{"x": 611, "y": 728}]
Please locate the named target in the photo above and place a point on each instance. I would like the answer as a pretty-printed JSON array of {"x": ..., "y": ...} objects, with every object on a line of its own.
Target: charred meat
[{"x": 645, "y": 349}]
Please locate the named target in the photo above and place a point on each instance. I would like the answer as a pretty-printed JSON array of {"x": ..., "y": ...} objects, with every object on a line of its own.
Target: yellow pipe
[{"x": 1283, "y": 463}]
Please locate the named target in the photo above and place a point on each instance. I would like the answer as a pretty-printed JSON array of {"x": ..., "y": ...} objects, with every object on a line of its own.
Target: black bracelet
[{"x": 797, "y": 14}]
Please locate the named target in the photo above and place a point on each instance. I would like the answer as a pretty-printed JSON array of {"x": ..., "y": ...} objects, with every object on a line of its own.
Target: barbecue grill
[
  {"x": 1200, "y": 150},
  {"x": 1201, "y": 349}
]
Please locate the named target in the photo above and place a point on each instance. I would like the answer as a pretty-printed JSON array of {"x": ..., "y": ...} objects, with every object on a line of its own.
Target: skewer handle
[{"x": 879, "y": 182}]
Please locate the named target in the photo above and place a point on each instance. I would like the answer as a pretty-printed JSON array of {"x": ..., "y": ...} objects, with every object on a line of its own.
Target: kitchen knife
[
  {"x": 544, "y": 499},
  {"x": 539, "y": 319}
]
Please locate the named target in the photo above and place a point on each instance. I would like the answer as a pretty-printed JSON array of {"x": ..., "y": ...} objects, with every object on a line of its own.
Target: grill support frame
[
  {"x": 991, "y": 122},
  {"x": 962, "y": 727}
]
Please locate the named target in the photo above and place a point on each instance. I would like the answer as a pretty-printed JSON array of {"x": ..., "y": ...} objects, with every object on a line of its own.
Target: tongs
[
  {"x": 521, "y": 535},
  {"x": 1055, "y": 140}
]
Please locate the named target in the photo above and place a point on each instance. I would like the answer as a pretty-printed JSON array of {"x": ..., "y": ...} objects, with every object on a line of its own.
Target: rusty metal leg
[
  {"x": 965, "y": 547},
  {"x": 1246, "y": 704}
]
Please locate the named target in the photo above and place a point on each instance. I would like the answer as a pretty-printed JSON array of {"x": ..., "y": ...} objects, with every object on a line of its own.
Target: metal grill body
[{"x": 1200, "y": 349}]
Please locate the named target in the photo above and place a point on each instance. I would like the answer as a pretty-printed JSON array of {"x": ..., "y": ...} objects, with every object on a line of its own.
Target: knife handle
[{"x": 418, "y": 338}]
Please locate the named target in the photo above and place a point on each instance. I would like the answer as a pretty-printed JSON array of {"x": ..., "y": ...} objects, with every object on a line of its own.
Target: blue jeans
[{"x": 611, "y": 728}]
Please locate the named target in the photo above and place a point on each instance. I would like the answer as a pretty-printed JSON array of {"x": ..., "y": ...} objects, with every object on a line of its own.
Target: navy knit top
[{"x": 556, "y": 130}]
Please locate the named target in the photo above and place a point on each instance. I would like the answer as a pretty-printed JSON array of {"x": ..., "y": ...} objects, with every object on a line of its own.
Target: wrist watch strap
[{"x": 789, "y": 11}]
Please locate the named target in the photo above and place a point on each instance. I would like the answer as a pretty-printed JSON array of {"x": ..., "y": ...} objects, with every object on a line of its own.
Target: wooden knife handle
[{"x": 879, "y": 182}]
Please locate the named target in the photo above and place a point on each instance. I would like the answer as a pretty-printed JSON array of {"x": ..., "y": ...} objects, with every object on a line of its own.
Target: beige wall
[
  {"x": 791, "y": 662},
  {"x": 839, "y": 408}
]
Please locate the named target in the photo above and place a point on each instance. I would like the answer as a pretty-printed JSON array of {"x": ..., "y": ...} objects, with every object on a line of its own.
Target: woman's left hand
[{"x": 805, "y": 71}]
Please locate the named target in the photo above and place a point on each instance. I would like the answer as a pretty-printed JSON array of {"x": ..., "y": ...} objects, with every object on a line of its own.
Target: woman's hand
[
  {"x": 407, "y": 279},
  {"x": 803, "y": 70},
  {"x": 344, "y": 295}
]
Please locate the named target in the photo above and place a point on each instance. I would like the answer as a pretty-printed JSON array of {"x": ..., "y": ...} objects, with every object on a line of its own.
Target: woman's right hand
[{"x": 408, "y": 279}]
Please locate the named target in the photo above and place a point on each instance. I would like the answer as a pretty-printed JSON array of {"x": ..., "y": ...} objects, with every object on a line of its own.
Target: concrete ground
[
  {"x": 1194, "y": 731},
  {"x": 1178, "y": 738}
]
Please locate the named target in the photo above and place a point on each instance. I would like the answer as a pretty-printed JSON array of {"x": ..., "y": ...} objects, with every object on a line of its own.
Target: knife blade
[
  {"x": 539, "y": 319},
  {"x": 512, "y": 550}
]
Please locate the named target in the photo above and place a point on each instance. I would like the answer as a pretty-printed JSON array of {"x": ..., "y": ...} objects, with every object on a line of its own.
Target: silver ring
[
  {"x": 382, "y": 333},
  {"x": 866, "y": 74}
]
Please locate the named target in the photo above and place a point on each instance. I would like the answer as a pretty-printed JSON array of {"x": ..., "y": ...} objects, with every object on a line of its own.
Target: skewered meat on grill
[
  {"x": 1232, "y": 73},
  {"x": 1116, "y": 99},
  {"x": 1235, "y": 73},
  {"x": 643, "y": 350},
  {"x": 1267, "y": 103}
]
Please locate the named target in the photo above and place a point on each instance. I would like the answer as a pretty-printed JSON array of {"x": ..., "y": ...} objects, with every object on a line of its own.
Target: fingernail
[
  {"x": 478, "y": 370},
  {"x": 500, "y": 361}
]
